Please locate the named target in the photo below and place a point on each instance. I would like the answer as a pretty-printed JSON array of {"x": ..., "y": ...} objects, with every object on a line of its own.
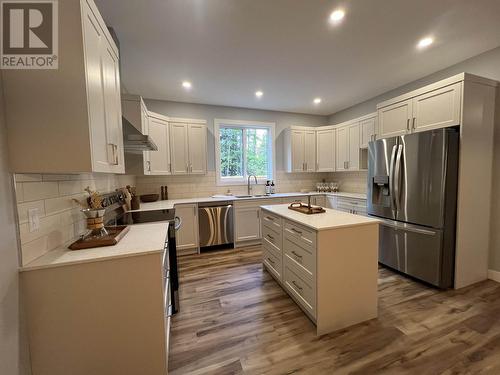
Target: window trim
[{"x": 218, "y": 123}]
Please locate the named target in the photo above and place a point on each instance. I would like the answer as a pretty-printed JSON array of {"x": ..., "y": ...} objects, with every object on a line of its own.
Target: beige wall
[
  {"x": 13, "y": 350},
  {"x": 486, "y": 65}
]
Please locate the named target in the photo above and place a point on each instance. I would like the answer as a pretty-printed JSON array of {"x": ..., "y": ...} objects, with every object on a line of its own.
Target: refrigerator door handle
[
  {"x": 391, "y": 176},
  {"x": 397, "y": 178},
  {"x": 406, "y": 227}
]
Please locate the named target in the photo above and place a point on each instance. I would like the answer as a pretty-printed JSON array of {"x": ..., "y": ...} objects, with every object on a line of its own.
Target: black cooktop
[{"x": 116, "y": 212}]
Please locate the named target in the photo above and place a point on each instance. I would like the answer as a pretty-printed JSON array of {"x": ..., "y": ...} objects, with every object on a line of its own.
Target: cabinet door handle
[
  {"x": 297, "y": 285},
  {"x": 297, "y": 255},
  {"x": 413, "y": 124},
  {"x": 187, "y": 167},
  {"x": 272, "y": 261},
  {"x": 258, "y": 214},
  {"x": 149, "y": 165},
  {"x": 408, "y": 124},
  {"x": 296, "y": 231},
  {"x": 170, "y": 167},
  {"x": 270, "y": 237},
  {"x": 270, "y": 218}
]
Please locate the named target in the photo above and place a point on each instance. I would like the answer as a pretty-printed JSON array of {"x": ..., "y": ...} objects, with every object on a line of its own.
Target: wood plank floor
[{"x": 235, "y": 319}]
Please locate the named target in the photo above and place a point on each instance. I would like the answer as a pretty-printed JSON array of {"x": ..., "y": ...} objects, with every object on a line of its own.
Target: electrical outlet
[{"x": 34, "y": 219}]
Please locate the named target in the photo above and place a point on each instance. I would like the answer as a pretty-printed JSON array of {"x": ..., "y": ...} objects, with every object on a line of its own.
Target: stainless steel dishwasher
[{"x": 216, "y": 224}]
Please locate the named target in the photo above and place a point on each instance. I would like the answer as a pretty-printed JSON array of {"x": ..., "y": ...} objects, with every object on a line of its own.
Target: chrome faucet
[{"x": 249, "y": 189}]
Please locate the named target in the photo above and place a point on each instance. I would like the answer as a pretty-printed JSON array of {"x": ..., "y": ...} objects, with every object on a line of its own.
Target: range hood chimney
[{"x": 134, "y": 141}]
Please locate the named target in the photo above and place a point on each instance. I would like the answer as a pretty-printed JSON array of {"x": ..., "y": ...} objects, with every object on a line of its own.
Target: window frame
[{"x": 244, "y": 124}]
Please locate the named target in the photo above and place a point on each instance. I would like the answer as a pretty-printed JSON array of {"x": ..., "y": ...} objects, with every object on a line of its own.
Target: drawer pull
[
  {"x": 272, "y": 261},
  {"x": 296, "y": 230},
  {"x": 297, "y": 255},
  {"x": 297, "y": 286},
  {"x": 269, "y": 218},
  {"x": 270, "y": 237}
]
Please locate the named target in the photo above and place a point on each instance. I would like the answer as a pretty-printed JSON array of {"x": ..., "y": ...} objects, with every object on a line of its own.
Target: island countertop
[
  {"x": 140, "y": 239},
  {"x": 327, "y": 220}
]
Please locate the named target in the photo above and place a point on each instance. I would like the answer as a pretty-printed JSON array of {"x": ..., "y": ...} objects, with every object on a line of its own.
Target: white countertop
[
  {"x": 169, "y": 204},
  {"x": 330, "y": 219},
  {"x": 140, "y": 239}
]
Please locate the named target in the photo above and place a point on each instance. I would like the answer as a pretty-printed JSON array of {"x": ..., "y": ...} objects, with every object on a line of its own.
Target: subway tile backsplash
[
  {"x": 61, "y": 221},
  {"x": 206, "y": 185}
]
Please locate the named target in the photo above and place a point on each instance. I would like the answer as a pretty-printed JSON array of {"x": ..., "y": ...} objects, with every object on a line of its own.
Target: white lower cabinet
[
  {"x": 346, "y": 204},
  {"x": 247, "y": 219},
  {"x": 247, "y": 223},
  {"x": 187, "y": 235}
]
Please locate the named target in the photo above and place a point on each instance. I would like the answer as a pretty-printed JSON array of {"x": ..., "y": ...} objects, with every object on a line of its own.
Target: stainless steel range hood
[{"x": 134, "y": 141}]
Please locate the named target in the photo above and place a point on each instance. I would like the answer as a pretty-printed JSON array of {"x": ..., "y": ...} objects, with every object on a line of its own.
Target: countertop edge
[
  {"x": 372, "y": 221},
  {"x": 86, "y": 261}
]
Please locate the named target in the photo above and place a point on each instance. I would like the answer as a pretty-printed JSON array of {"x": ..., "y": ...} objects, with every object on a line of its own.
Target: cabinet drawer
[
  {"x": 302, "y": 291},
  {"x": 300, "y": 235},
  {"x": 272, "y": 221},
  {"x": 273, "y": 264},
  {"x": 271, "y": 239},
  {"x": 304, "y": 259}
]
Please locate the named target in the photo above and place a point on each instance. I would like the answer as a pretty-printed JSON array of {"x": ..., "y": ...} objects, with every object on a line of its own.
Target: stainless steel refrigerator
[{"x": 412, "y": 187}]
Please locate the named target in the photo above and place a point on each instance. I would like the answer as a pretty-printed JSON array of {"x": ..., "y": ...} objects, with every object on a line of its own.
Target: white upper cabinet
[
  {"x": 68, "y": 120},
  {"x": 436, "y": 106},
  {"x": 347, "y": 147},
  {"x": 368, "y": 132},
  {"x": 300, "y": 150},
  {"x": 197, "y": 146},
  {"x": 297, "y": 151},
  {"x": 325, "y": 150},
  {"x": 395, "y": 119},
  {"x": 342, "y": 148},
  {"x": 310, "y": 150},
  {"x": 179, "y": 148},
  {"x": 437, "y": 109},
  {"x": 353, "y": 147},
  {"x": 159, "y": 161},
  {"x": 188, "y": 144}
]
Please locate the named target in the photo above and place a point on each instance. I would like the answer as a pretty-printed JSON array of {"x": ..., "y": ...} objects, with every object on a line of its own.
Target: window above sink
[{"x": 243, "y": 149}]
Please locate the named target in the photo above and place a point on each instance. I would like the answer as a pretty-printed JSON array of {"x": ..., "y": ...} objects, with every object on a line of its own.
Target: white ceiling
[{"x": 230, "y": 48}]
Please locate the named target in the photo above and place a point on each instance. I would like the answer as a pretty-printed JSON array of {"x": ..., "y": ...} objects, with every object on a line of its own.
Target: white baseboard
[{"x": 494, "y": 275}]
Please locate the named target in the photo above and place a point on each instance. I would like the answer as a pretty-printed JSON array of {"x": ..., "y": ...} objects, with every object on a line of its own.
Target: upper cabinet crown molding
[{"x": 74, "y": 110}]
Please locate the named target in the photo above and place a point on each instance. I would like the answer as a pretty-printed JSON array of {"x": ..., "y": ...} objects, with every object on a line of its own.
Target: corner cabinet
[
  {"x": 74, "y": 110},
  {"x": 300, "y": 149},
  {"x": 438, "y": 108},
  {"x": 188, "y": 144}
]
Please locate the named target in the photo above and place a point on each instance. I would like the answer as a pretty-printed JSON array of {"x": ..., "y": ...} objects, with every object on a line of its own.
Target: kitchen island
[{"x": 327, "y": 263}]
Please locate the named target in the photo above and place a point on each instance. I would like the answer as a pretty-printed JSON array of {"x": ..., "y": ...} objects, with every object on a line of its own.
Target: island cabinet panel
[{"x": 330, "y": 270}]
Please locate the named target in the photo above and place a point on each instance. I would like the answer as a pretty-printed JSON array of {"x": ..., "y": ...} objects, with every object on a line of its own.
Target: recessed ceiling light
[
  {"x": 259, "y": 94},
  {"x": 337, "y": 15},
  {"x": 425, "y": 42},
  {"x": 317, "y": 100},
  {"x": 186, "y": 85}
]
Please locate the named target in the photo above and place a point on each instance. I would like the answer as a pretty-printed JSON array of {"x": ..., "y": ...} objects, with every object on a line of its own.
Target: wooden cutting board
[{"x": 115, "y": 234}]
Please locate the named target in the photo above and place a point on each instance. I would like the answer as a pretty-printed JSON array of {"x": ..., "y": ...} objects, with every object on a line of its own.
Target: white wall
[
  {"x": 13, "y": 353},
  {"x": 486, "y": 65},
  {"x": 211, "y": 112}
]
